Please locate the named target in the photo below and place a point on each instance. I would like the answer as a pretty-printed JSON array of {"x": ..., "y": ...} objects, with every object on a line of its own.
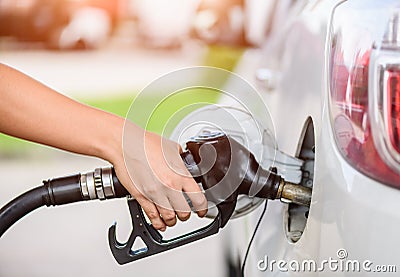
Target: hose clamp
[
  {"x": 98, "y": 183},
  {"x": 108, "y": 185},
  {"x": 90, "y": 185},
  {"x": 84, "y": 187}
]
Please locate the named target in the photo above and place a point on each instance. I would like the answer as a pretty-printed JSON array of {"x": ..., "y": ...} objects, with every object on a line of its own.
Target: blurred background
[{"x": 103, "y": 53}]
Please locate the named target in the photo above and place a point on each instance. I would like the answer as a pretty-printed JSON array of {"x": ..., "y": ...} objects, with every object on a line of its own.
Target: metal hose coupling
[
  {"x": 101, "y": 184},
  {"x": 294, "y": 193},
  {"x": 97, "y": 184}
]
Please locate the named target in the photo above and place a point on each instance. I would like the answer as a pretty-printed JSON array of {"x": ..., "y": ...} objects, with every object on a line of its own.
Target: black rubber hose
[
  {"x": 21, "y": 206},
  {"x": 57, "y": 191}
]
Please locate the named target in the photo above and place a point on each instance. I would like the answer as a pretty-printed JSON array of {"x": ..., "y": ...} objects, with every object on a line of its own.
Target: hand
[
  {"x": 152, "y": 170},
  {"x": 148, "y": 166}
]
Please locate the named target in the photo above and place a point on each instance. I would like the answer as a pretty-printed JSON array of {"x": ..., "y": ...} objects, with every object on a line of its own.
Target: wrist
[{"x": 108, "y": 145}]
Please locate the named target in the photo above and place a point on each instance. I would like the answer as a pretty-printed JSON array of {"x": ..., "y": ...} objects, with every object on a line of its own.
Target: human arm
[{"x": 32, "y": 111}]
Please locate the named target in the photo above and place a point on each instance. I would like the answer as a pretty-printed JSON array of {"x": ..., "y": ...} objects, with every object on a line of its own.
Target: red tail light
[
  {"x": 393, "y": 106},
  {"x": 364, "y": 83}
]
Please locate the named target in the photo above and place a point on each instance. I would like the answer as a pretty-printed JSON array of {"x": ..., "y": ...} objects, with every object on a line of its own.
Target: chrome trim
[
  {"x": 98, "y": 183},
  {"x": 84, "y": 187},
  {"x": 90, "y": 185},
  {"x": 108, "y": 185}
]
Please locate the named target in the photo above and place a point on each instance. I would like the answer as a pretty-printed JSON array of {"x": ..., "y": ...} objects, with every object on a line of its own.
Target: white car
[{"x": 330, "y": 75}]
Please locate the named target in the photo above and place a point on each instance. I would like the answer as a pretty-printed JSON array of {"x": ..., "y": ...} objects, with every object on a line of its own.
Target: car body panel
[{"x": 349, "y": 210}]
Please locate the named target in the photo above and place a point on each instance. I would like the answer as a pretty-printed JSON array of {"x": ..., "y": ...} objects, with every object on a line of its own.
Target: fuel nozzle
[{"x": 226, "y": 169}]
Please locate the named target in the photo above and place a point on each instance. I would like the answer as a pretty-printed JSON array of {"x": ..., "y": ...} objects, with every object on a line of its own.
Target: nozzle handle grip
[{"x": 154, "y": 241}]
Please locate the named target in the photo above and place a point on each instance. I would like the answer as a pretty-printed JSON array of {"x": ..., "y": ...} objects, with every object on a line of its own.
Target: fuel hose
[{"x": 101, "y": 183}]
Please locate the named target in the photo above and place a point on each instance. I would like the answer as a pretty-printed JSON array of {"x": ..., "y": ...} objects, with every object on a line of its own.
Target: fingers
[
  {"x": 180, "y": 205},
  {"x": 159, "y": 177},
  {"x": 177, "y": 207},
  {"x": 199, "y": 201},
  {"x": 168, "y": 215},
  {"x": 164, "y": 215},
  {"x": 152, "y": 213}
]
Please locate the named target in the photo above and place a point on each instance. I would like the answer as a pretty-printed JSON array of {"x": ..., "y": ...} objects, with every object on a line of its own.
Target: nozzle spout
[{"x": 293, "y": 193}]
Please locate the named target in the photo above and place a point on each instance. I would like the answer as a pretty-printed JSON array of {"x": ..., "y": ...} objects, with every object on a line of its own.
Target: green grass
[
  {"x": 224, "y": 57},
  {"x": 161, "y": 113},
  {"x": 146, "y": 112},
  {"x": 118, "y": 105}
]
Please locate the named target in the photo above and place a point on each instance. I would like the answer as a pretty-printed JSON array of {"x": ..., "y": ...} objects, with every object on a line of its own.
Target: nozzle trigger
[{"x": 155, "y": 243}]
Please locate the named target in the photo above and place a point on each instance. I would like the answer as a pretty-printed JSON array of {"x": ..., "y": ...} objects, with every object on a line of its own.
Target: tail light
[{"x": 364, "y": 84}]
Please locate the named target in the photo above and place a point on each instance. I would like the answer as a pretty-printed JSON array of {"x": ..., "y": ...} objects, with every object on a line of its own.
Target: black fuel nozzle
[{"x": 226, "y": 169}]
